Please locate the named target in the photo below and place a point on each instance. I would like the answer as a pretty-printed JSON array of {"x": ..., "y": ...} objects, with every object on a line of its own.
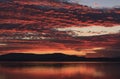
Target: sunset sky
[{"x": 75, "y": 27}]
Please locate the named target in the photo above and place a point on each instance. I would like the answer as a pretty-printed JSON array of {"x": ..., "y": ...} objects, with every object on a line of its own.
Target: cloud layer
[{"x": 33, "y": 26}]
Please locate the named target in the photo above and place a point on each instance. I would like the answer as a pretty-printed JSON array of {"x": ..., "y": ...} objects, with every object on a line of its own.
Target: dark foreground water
[{"x": 37, "y": 70}]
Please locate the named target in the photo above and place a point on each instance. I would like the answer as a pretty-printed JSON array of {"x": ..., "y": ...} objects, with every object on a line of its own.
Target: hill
[{"x": 50, "y": 57}]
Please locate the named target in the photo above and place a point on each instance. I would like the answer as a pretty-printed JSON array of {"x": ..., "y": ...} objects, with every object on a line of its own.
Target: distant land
[{"x": 57, "y": 57}]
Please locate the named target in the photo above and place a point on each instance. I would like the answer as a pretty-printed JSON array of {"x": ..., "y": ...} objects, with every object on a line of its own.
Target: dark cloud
[
  {"x": 105, "y": 53},
  {"x": 51, "y": 14}
]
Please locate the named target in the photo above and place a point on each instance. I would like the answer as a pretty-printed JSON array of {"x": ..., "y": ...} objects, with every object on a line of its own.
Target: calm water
[{"x": 84, "y": 70}]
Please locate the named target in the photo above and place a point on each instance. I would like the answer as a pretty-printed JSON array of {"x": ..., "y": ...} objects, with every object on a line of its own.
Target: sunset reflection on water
[{"x": 59, "y": 70}]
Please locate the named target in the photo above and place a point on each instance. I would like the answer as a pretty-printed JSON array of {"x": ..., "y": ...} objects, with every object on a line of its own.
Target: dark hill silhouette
[
  {"x": 49, "y": 57},
  {"x": 39, "y": 57}
]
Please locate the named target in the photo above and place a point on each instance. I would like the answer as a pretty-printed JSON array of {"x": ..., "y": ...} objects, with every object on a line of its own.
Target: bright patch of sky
[
  {"x": 98, "y": 3},
  {"x": 1, "y": 44},
  {"x": 90, "y": 31}
]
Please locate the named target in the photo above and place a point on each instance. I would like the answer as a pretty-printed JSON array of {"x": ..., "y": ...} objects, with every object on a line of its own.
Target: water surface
[{"x": 78, "y": 70}]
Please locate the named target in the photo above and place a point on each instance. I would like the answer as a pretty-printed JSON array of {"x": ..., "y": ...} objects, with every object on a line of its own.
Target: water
[{"x": 37, "y": 70}]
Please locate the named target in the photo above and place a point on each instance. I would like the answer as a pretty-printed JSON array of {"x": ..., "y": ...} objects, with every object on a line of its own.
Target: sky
[
  {"x": 98, "y": 3},
  {"x": 57, "y": 26}
]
